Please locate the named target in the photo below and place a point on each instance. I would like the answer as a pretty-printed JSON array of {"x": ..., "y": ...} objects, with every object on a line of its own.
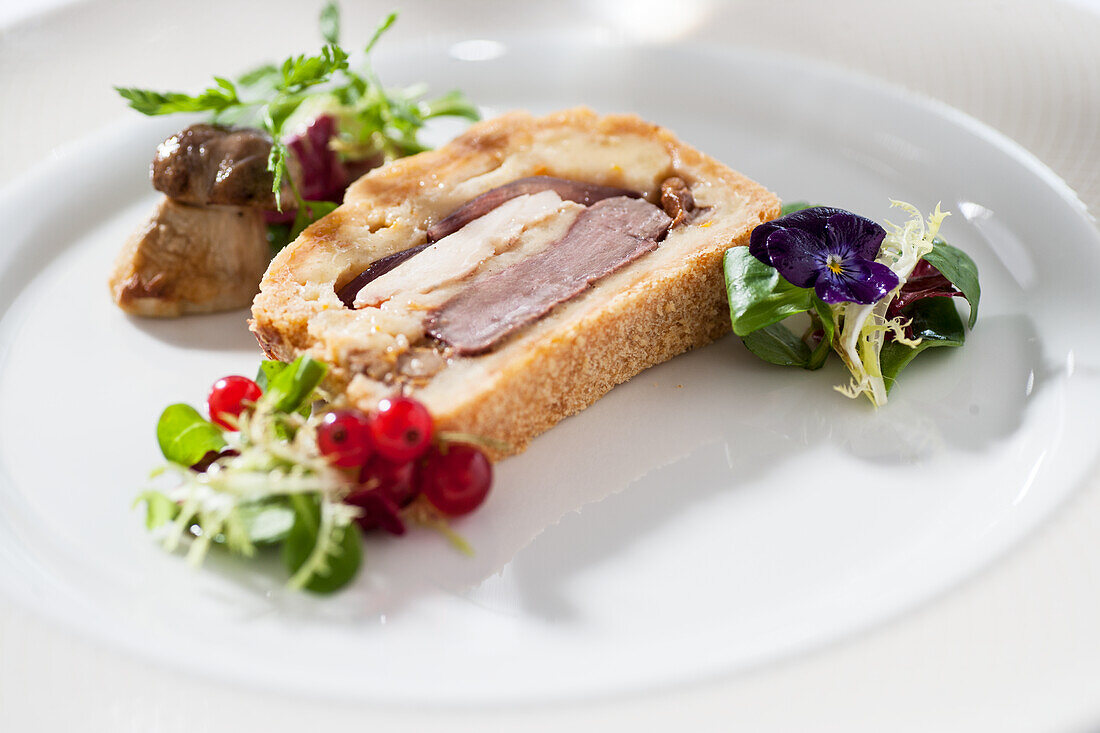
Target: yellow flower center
[{"x": 834, "y": 265}]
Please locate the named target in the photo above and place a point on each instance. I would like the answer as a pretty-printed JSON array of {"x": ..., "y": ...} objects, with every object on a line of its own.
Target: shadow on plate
[
  {"x": 713, "y": 421},
  {"x": 215, "y": 332}
]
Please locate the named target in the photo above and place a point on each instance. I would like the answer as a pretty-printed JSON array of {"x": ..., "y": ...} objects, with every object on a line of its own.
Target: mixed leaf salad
[
  {"x": 275, "y": 467},
  {"x": 876, "y": 296}
]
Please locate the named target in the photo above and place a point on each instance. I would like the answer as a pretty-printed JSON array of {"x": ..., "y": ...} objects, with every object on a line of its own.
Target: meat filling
[
  {"x": 459, "y": 254},
  {"x": 605, "y": 237},
  {"x": 579, "y": 192},
  {"x": 616, "y": 228}
]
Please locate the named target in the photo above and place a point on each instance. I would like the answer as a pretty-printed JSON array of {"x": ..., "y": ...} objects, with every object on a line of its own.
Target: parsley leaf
[
  {"x": 302, "y": 72},
  {"x": 212, "y": 99},
  {"x": 382, "y": 28},
  {"x": 263, "y": 72}
]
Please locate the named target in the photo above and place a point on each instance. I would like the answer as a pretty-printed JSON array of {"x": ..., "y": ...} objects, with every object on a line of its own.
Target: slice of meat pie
[{"x": 514, "y": 276}]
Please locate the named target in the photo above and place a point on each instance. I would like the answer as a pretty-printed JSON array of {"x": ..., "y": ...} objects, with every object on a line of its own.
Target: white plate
[{"x": 744, "y": 512}]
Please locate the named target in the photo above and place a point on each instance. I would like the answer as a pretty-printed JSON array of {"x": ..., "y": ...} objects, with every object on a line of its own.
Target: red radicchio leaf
[
  {"x": 323, "y": 176},
  {"x": 210, "y": 456},
  {"x": 924, "y": 282}
]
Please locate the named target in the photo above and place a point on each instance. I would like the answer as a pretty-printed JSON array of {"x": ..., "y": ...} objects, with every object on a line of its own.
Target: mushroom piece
[
  {"x": 676, "y": 199},
  {"x": 211, "y": 164},
  {"x": 191, "y": 259},
  {"x": 205, "y": 247}
]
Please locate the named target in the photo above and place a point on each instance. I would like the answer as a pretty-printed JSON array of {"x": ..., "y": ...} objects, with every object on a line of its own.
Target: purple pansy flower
[{"x": 831, "y": 250}]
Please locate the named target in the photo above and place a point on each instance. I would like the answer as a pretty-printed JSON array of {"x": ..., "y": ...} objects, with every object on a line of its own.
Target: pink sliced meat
[
  {"x": 605, "y": 237},
  {"x": 582, "y": 193}
]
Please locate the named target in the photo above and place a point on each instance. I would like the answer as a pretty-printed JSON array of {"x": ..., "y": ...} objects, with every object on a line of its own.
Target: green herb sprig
[{"x": 372, "y": 119}]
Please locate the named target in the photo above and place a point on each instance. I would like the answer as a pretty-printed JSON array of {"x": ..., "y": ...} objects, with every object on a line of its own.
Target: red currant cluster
[{"x": 391, "y": 451}]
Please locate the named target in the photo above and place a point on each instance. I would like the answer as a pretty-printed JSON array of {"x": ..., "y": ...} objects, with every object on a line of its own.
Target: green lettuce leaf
[
  {"x": 267, "y": 521},
  {"x": 292, "y": 388},
  {"x": 823, "y": 319},
  {"x": 957, "y": 267},
  {"x": 776, "y": 344},
  {"x": 332, "y": 565},
  {"x": 936, "y": 321},
  {"x": 185, "y": 436},
  {"x": 269, "y": 369},
  {"x": 758, "y": 294}
]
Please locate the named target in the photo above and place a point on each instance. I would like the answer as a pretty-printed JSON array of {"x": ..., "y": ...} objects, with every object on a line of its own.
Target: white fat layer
[{"x": 459, "y": 254}]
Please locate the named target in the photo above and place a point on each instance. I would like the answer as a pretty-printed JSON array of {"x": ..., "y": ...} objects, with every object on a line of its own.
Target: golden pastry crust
[{"x": 663, "y": 304}]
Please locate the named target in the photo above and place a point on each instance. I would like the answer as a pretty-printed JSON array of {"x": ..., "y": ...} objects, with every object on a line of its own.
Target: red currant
[
  {"x": 455, "y": 478},
  {"x": 401, "y": 429},
  {"x": 344, "y": 436},
  {"x": 227, "y": 398},
  {"x": 395, "y": 480},
  {"x": 378, "y": 511}
]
